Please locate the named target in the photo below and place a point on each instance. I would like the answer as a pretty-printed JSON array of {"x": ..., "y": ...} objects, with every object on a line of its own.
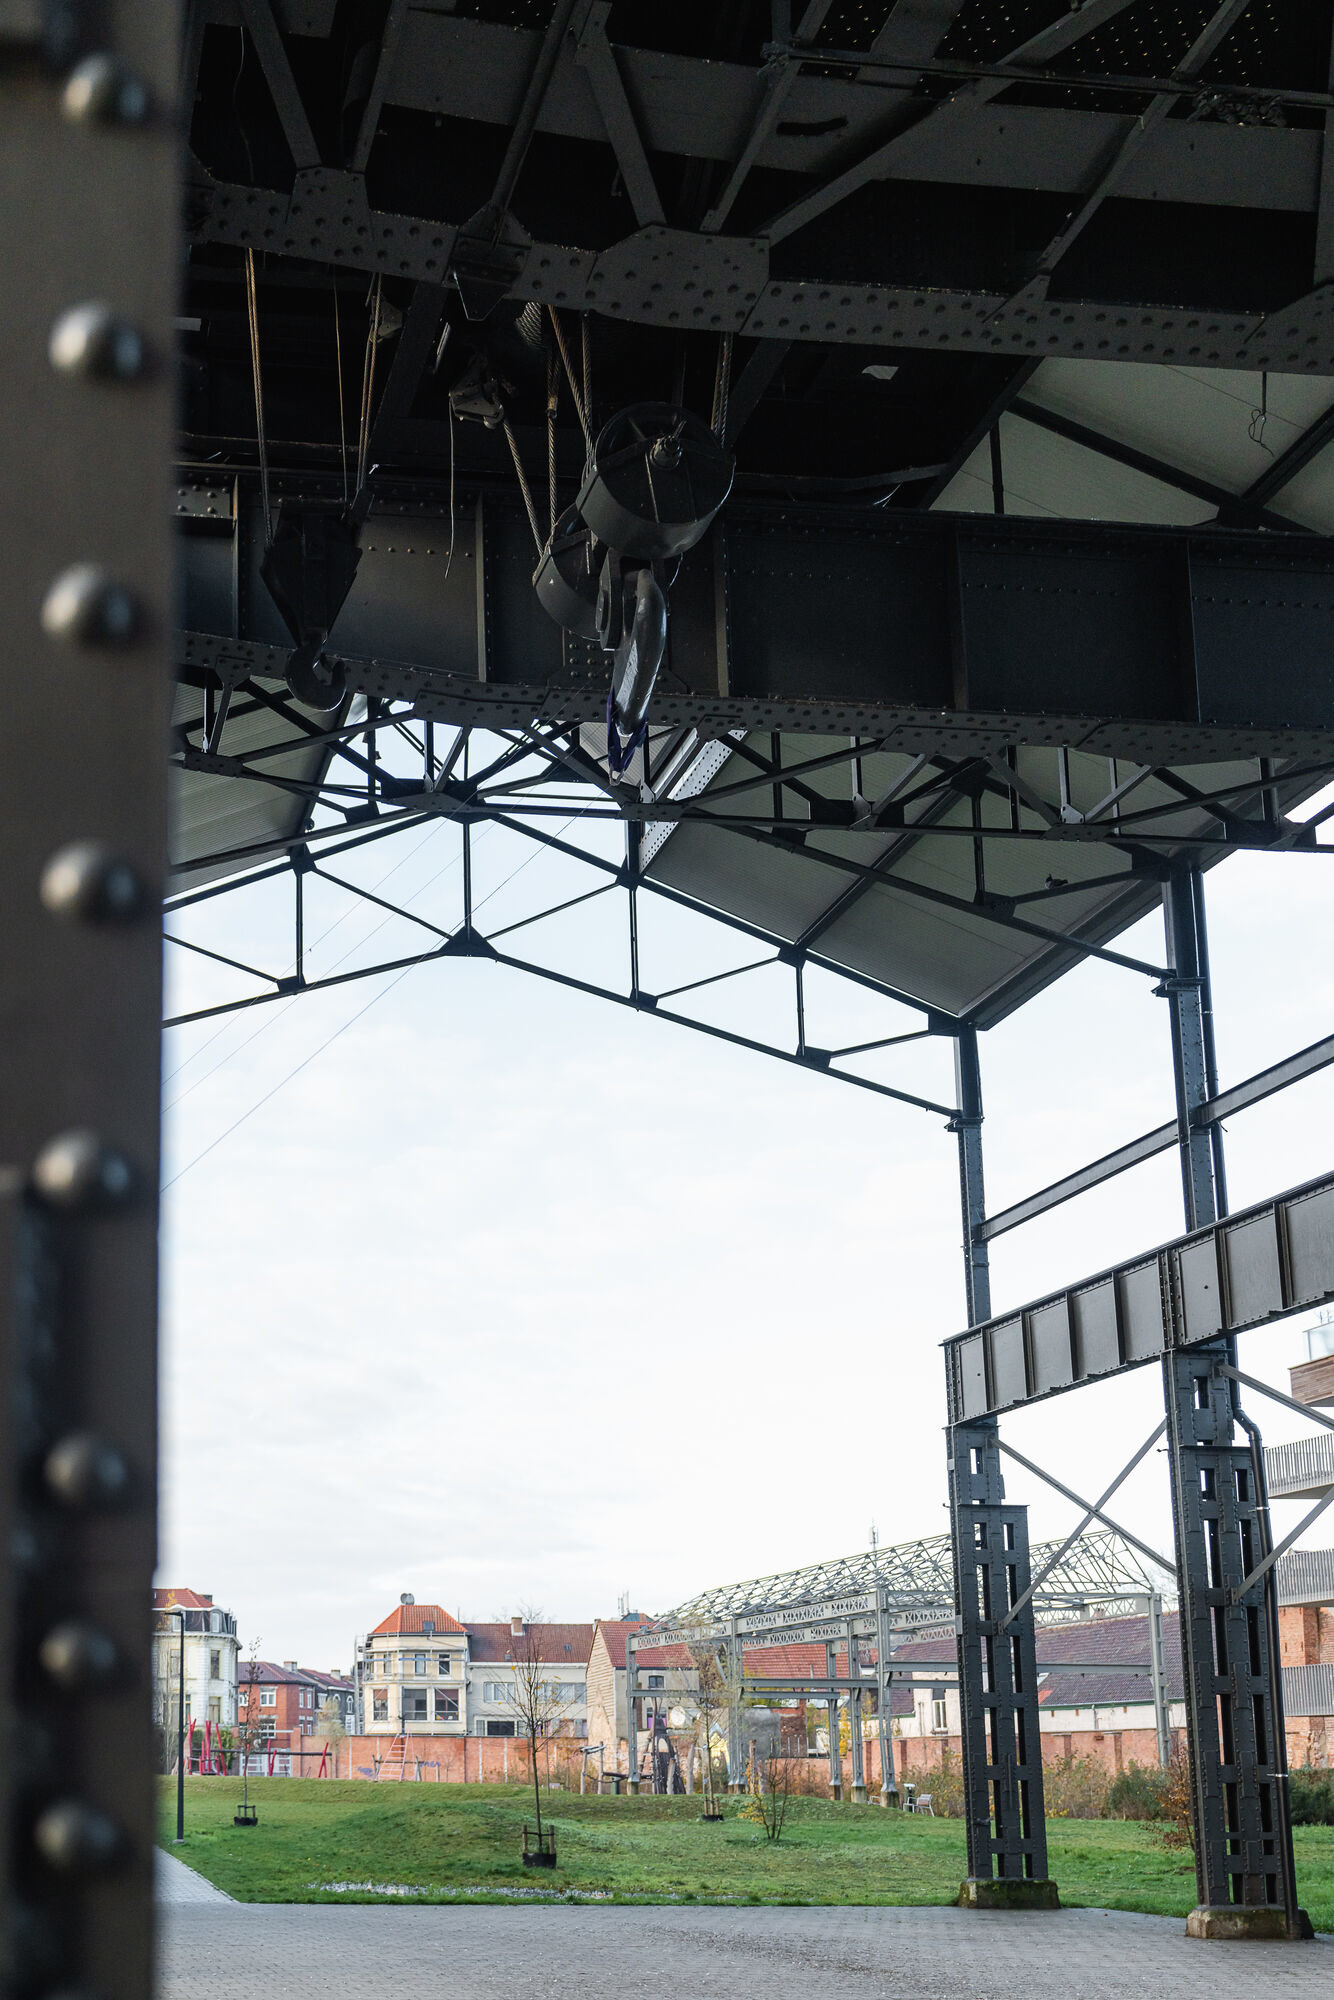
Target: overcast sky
[{"x": 507, "y": 1296}]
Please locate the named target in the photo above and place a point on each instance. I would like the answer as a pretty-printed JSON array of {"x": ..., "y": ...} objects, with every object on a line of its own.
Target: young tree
[
  {"x": 711, "y": 1697},
  {"x": 249, "y": 1728},
  {"x": 539, "y": 1704}
]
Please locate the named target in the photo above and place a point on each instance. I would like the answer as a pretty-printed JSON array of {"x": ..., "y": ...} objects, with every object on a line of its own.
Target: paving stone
[{"x": 236, "y": 1951}]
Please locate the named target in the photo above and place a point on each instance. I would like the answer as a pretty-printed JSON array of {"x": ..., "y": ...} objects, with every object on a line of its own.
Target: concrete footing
[
  {"x": 1007, "y": 1893},
  {"x": 1239, "y": 1923}
]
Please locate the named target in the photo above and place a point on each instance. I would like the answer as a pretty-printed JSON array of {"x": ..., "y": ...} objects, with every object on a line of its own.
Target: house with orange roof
[{"x": 412, "y": 1673}]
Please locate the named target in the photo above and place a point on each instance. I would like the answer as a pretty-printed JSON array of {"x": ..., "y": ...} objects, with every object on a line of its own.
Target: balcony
[
  {"x": 1302, "y": 1470},
  {"x": 1306, "y": 1576}
]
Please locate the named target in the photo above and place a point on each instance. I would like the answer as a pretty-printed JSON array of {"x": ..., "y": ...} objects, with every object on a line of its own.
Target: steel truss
[
  {"x": 874, "y": 1599},
  {"x": 1183, "y": 1306}
]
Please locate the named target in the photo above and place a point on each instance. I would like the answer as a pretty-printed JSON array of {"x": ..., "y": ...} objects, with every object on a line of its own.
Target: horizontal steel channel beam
[
  {"x": 1265, "y": 1083},
  {"x": 1255, "y": 1266},
  {"x": 1160, "y": 1140},
  {"x": 722, "y": 283},
  {"x": 937, "y": 633}
]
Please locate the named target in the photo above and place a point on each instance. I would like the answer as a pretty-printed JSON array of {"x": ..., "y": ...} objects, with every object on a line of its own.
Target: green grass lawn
[{"x": 461, "y": 1843}]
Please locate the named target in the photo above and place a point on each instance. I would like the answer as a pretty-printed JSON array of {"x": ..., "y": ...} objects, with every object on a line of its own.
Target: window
[
  {"x": 446, "y": 1705},
  {"x": 215, "y": 1708},
  {"x": 267, "y": 1729},
  {"x": 442, "y": 1663},
  {"x": 500, "y": 1729},
  {"x": 494, "y": 1690},
  {"x": 268, "y": 1697},
  {"x": 414, "y": 1704},
  {"x": 215, "y": 1665},
  {"x": 657, "y": 1680},
  {"x": 939, "y": 1715},
  {"x": 418, "y": 1663},
  {"x": 379, "y": 1704}
]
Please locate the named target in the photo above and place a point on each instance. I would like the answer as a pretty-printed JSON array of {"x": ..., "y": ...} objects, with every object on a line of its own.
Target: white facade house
[
  {"x": 562, "y": 1653},
  {"x": 211, "y": 1651},
  {"x": 411, "y": 1673}
]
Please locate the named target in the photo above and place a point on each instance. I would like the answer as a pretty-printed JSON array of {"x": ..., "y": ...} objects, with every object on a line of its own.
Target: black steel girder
[{"x": 956, "y": 634}]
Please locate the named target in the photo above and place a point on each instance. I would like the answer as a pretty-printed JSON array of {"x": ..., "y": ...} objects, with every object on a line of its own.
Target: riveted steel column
[
  {"x": 631, "y": 1720},
  {"x": 736, "y": 1744},
  {"x": 884, "y": 1720},
  {"x": 855, "y": 1723},
  {"x": 1158, "y": 1676},
  {"x": 1234, "y": 1700},
  {"x": 1234, "y": 1717},
  {"x": 87, "y": 245},
  {"x": 831, "y": 1717},
  {"x": 998, "y": 1705},
  {"x": 998, "y": 1688}
]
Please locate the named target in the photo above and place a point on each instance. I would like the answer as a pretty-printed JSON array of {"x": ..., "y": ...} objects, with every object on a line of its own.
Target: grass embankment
[{"x": 461, "y": 1843}]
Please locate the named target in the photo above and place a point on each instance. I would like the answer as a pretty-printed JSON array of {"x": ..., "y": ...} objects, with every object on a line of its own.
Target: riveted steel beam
[{"x": 88, "y": 154}]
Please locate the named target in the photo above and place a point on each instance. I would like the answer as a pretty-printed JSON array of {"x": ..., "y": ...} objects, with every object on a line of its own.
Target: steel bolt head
[
  {"x": 84, "y": 1471},
  {"x": 75, "y": 1170},
  {"x": 78, "y": 1654},
  {"x": 85, "y": 607},
  {"x": 86, "y": 883},
  {"x": 98, "y": 91},
  {"x": 93, "y": 340},
  {"x": 77, "y": 1838}
]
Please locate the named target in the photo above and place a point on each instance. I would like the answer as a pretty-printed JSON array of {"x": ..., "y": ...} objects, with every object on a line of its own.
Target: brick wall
[
  {"x": 1305, "y": 1634},
  {"x": 445, "y": 1760}
]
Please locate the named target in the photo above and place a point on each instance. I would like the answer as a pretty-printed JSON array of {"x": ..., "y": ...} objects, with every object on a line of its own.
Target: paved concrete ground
[
  {"x": 175, "y": 1884},
  {"x": 218, "y": 1950}
]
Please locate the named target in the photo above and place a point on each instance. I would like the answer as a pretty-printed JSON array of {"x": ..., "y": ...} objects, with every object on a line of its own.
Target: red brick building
[{"x": 288, "y": 1700}]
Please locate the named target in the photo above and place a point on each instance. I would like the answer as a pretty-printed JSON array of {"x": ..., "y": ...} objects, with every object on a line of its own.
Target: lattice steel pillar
[
  {"x": 88, "y": 165},
  {"x": 631, "y": 1721},
  {"x": 998, "y": 1696},
  {"x": 831, "y": 1717},
  {"x": 1234, "y": 1702},
  {"x": 855, "y": 1724},
  {"x": 736, "y": 1744}
]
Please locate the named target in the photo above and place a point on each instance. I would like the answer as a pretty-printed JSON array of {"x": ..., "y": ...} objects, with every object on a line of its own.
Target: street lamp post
[{"x": 174, "y": 1612}]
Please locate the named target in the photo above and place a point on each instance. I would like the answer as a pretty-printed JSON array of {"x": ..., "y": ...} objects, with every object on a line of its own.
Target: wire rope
[
  {"x": 273, "y": 1018},
  {"x": 329, "y": 1040},
  {"x": 524, "y": 488},
  {"x": 580, "y": 401},
  {"x": 252, "y": 316},
  {"x": 342, "y": 418}
]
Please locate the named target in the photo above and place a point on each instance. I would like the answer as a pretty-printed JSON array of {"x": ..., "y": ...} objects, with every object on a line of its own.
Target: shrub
[
  {"x": 1075, "y": 1788},
  {"x": 1180, "y": 1828},
  {"x": 1312, "y": 1795},
  {"x": 1140, "y": 1792}
]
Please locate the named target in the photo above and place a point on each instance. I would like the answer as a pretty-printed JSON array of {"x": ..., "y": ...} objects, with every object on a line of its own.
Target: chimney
[
  {"x": 290, "y": 1666},
  {"x": 516, "y": 1628}
]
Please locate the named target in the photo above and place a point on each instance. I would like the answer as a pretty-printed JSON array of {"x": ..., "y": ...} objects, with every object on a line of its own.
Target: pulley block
[{"x": 656, "y": 477}]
